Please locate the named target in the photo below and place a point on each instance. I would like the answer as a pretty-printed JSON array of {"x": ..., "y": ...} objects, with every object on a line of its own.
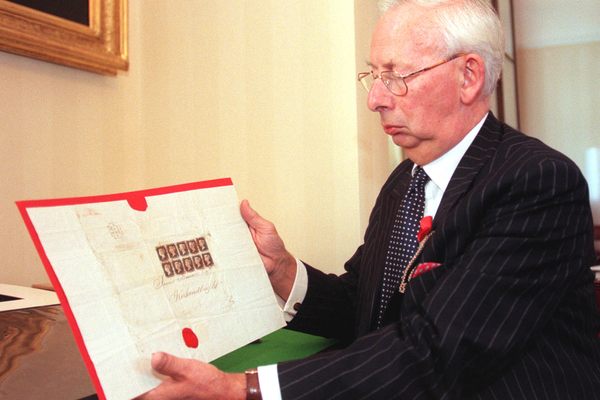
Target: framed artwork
[
  {"x": 85, "y": 34},
  {"x": 506, "y": 101}
]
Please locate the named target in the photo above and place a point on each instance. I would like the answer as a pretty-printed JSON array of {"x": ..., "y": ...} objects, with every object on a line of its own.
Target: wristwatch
[{"x": 252, "y": 385}]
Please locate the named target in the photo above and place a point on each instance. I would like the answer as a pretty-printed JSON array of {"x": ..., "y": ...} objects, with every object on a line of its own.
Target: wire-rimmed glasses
[{"x": 394, "y": 81}]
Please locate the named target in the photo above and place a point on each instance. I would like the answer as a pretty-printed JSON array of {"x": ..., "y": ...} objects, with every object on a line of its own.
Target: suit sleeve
[
  {"x": 515, "y": 261},
  {"x": 328, "y": 308}
]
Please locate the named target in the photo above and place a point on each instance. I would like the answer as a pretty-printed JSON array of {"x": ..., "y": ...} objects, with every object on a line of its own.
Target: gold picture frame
[{"x": 99, "y": 47}]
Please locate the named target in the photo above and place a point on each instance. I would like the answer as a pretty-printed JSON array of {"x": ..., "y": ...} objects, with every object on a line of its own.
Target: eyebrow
[{"x": 388, "y": 66}]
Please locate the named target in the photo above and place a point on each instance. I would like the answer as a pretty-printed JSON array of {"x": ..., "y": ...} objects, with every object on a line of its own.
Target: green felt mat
[{"x": 281, "y": 345}]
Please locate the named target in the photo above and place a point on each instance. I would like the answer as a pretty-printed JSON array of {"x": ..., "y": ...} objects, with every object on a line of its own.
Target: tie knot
[{"x": 419, "y": 179}]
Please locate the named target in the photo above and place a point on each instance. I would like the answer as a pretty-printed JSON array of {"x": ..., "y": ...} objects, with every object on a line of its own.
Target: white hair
[{"x": 467, "y": 26}]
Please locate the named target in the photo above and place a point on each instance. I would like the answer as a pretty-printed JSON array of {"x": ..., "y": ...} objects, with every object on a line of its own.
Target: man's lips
[{"x": 393, "y": 129}]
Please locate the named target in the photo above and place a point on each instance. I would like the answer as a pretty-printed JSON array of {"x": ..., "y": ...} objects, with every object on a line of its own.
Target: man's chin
[{"x": 405, "y": 141}]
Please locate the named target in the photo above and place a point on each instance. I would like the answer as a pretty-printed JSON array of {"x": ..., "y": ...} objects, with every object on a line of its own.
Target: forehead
[{"x": 404, "y": 37}]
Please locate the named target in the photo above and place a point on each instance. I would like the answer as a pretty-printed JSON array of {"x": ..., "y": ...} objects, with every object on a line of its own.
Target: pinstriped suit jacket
[{"x": 509, "y": 314}]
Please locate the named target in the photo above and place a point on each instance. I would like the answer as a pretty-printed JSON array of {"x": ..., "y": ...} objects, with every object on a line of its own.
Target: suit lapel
[
  {"x": 400, "y": 184},
  {"x": 475, "y": 159},
  {"x": 376, "y": 241}
]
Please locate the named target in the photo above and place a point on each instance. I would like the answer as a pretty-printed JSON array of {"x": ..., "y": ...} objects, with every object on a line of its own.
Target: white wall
[
  {"x": 558, "y": 62},
  {"x": 560, "y": 99},
  {"x": 266, "y": 95}
]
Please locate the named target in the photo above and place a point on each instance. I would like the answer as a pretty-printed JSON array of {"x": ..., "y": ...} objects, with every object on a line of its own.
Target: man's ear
[{"x": 473, "y": 78}]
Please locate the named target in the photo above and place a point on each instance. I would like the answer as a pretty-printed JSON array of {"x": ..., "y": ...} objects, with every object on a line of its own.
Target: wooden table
[{"x": 39, "y": 358}]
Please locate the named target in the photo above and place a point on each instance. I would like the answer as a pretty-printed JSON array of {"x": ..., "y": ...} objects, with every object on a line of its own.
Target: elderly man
[{"x": 493, "y": 300}]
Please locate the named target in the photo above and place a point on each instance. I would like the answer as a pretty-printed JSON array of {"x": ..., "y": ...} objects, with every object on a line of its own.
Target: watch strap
[{"x": 252, "y": 385}]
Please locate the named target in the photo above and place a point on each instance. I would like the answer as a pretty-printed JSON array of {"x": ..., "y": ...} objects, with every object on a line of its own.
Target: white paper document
[{"x": 170, "y": 269}]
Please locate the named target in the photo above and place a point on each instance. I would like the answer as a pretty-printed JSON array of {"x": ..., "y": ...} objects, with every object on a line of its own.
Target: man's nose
[{"x": 379, "y": 96}]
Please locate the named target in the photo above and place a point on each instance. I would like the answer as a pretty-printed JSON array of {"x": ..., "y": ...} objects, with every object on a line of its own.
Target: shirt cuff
[
  {"x": 268, "y": 379},
  {"x": 297, "y": 293}
]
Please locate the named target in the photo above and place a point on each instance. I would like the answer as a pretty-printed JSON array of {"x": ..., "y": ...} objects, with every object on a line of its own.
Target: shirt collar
[{"x": 441, "y": 169}]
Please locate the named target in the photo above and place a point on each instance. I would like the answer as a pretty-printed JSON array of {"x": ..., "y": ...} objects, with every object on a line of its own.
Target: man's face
[{"x": 423, "y": 121}]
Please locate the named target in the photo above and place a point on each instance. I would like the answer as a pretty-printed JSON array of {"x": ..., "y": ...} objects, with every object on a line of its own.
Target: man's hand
[
  {"x": 279, "y": 263},
  {"x": 192, "y": 379}
]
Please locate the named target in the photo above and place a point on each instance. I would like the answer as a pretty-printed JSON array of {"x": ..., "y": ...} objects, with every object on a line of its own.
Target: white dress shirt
[{"x": 439, "y": 171}]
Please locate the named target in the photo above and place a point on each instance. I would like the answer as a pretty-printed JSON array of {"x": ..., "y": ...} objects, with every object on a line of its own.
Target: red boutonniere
[{"x": 425, "y": 227}]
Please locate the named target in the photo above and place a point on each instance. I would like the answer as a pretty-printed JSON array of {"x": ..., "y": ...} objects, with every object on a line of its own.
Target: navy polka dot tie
[{"x": 403, "y": 240}]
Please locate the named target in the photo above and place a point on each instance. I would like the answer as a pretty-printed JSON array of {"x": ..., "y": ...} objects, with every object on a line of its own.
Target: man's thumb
[
  {"x": 167, "y": 364},
  {"x": 248, "y": 214}
]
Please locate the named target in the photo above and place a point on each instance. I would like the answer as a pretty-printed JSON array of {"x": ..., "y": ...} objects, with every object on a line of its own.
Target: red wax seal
[
  {"x": 189, "y": 337},
  {"x": 138, "y": 203}
]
